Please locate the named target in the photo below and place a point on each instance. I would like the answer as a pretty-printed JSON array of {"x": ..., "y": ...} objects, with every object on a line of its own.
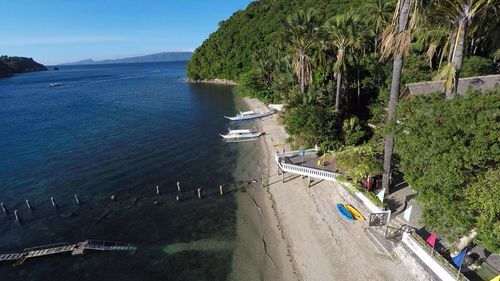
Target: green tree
[
  {"x": 460, "y": 13},
  {"x": 302, "y": 30},
  {"x": 449, "y": 150},
  {"x": 483, "y": 196},
  {"x": 352, "y": 131},
  {"x": 396, "y": 42},
  {"x": 378, "y": 13},
  {"x": 343, "y": 33},
  {"x": 359, "y": 161}
]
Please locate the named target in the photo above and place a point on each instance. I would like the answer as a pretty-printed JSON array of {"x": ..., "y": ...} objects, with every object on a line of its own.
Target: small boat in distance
[
  {"x": 241, "y": 135},
  {"x": 57, "y": 84},
  {"x": 248, "y": 115},
  {"x": 344, "y": 212}
]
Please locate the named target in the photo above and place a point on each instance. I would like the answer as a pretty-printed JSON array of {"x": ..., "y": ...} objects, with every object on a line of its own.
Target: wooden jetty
[{"x": 74, "y": 249}]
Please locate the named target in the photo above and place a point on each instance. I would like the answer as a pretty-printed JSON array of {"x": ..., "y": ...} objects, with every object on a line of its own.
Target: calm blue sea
[{"x": 116, "y": 130}]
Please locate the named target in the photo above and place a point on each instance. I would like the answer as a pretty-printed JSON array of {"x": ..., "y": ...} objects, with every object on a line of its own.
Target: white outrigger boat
[
  {"x": 248, "y": 115},
  {"x": 241, "y": 135}
]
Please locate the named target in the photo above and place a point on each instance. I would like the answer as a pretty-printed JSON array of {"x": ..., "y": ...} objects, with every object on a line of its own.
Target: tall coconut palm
[
  {"x": 344, "y": 37},
  {"x": 302, "y": 29},
  {"x": 460, "y": 13},
  {"x": 396, "y": 43},
  {"x": 378, "y": 14}
]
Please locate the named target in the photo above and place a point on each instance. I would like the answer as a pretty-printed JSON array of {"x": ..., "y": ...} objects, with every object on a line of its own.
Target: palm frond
[{"x": 447, "y": 73}]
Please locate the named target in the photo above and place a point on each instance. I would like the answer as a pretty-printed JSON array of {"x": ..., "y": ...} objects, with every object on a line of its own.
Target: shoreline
[
  {"x": 212, "y": 81},
  {"x": 261, "y": 252},
  {"x": 315, "y": 241}
]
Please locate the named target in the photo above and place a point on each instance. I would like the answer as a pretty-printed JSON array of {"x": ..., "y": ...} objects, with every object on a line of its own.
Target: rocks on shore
[{"x": 212, "y": 81}]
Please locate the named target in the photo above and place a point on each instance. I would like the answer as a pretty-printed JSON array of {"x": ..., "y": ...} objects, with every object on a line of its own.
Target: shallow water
[{"x": 117, "y": 130}]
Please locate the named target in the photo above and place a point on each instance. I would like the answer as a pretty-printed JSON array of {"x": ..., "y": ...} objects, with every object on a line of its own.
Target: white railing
[
  {"x": 306, "y": 171},
  {"x": 301, "y": 170}
]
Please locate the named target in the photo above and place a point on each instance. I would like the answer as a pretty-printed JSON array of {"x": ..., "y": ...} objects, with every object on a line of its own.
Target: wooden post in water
[
  {"x": 178, "y": 186},
  {"x": 53, "y": 202},
  {"x": 221, "y": 191},
  {"x": 76, "y": 199},
  {"x": 158, "y": 190},
  {"x": 18, "y": 219},
  {"x": 199, "y": 193},
  {"x": 283, "y": 176},
  {"x": 308, "y": 181},
  {"x": 28, "y": 204},
  {"x": 3, "y": 207}
]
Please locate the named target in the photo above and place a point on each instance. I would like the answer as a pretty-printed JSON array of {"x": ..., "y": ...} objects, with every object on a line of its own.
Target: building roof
[{"x": 477, "y": 83}]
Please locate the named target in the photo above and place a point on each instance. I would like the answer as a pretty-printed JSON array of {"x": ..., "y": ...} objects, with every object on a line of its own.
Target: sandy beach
[{"x": 303, "y": 235}]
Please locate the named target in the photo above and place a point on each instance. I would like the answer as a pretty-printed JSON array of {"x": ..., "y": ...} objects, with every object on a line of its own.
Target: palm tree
[
  {"x": 396, "y": 42},
  {"x": 301, "y": 33},
  {"x": 460, "y": 13},
  {"x": 378, "y": 14},
  {"x": 343, "y": 34}
]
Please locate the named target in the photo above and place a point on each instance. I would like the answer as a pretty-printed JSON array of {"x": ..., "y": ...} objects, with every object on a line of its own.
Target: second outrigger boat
[
  {"x": 248, "y": 115},
  {"x": 241, "y": 135}
]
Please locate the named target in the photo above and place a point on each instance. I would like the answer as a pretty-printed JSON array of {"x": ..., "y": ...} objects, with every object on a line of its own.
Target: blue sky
[{"x": 57, "y": 31}]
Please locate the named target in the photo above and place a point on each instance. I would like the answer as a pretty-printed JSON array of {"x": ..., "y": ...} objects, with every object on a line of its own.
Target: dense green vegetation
[
  {"x": 13, "y": 65},
  {"x": 449, "y": 153},
  {"x": 339, "y": 65},
  {"x": 228, "y": 52}
]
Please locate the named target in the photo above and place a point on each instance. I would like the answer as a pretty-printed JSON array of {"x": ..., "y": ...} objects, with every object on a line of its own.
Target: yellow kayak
[{"x": 357, "y": 215}]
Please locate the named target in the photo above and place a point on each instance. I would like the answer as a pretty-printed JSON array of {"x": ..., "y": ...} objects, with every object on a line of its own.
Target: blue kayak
[{"x": 344, "y": 212}]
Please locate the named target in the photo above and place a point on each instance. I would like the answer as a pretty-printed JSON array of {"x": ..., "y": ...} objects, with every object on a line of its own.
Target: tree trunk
[
  {"x": 389, "y": 139},
  {"x": 394, "y": 95},
  {"x": 458, "y": 55},
  {"x": 301, "y": 79},
  {"x": 359, "y": 86},
  {"x": 450, "y": 47},
  {"x": 337, "y": 96}
]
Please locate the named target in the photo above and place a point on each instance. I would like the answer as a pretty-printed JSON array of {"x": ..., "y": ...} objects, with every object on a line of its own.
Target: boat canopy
[
  {"x": 247, "y": 112},
  {"x": 242, "y": 131}
]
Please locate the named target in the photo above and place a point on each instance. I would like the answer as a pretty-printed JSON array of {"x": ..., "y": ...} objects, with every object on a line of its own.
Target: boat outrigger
[
  {"x": 248, "y": 115},
  {"x": 241, "y": 135}
]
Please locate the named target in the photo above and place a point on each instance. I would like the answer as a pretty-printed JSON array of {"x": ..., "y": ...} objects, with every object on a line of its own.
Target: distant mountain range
[{"x": 160, "y": 57}]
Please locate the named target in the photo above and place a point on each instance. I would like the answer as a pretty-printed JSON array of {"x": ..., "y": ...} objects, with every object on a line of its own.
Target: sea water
[{"x": 117, "y": 130}]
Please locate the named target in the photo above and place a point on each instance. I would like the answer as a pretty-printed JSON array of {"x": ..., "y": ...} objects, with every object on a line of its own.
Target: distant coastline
[{"x": 159, "y": 57}]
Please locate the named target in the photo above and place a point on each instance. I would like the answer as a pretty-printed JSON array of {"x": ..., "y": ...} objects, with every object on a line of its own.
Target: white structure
[
  {"x": 248, "y": 115},
  {"x": 277, "y": 107}
]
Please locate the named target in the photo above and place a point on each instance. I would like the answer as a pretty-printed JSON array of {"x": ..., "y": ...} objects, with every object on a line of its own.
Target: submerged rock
[{"x": 200, "y": 245}]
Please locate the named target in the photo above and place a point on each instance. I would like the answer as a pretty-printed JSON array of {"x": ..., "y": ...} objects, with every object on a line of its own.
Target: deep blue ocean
[{"x": 116, "y": 130}]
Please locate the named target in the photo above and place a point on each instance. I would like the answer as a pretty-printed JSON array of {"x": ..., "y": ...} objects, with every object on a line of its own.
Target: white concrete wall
[
  {"x": 368, "y": 203},
  {"x": 434, "y": 265}
]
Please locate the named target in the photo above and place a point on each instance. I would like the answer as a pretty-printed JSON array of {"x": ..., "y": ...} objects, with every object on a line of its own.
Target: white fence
[
  {"x": 435, "y": 266},
  {"x": 302, "y": 170},
  {"x": 306, "y": 171}
]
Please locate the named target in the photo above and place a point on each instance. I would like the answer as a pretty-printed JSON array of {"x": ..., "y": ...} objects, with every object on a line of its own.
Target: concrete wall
[{"x": 435, "y": 266}]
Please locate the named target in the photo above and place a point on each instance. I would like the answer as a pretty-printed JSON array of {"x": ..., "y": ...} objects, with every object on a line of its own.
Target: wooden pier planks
[{"x": 75, "y": 249}]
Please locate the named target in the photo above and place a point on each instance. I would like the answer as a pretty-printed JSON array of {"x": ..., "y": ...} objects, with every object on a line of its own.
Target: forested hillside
[
  {"x": 13, "y": 65},
  {"x": 227, "y": 53}
]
